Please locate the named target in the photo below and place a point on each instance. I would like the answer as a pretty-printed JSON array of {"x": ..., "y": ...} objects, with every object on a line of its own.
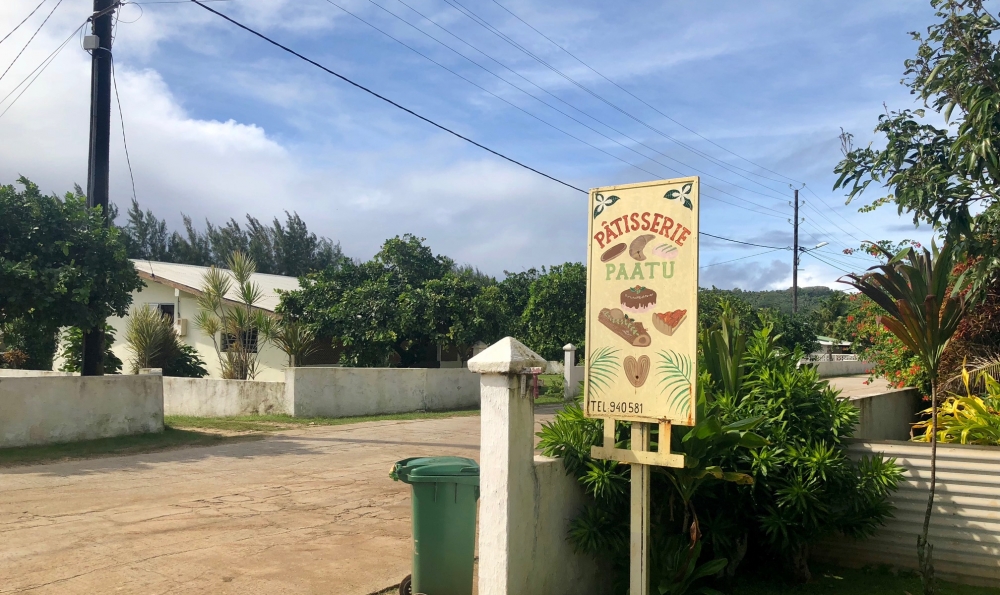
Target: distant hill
[{"x": 781, "y": 299}]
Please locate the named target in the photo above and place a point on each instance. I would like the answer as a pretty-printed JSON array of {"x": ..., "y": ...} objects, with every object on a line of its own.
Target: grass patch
[
  {"x": 271, "y": 423},
  {"x": 170, "y": 438},
  {"x": 866, "y": 581}
]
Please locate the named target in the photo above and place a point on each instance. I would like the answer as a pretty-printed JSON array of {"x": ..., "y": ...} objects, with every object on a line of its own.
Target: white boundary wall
[
  {"x": 348, "y": 392},
  {"x": 44, "y": 410},
  {"x": 833, "y": 369},
  {"x": 212, "y": 397},
  {"x": 965, "y": 526},
  {"x": 888, "y": 415},
  {"x": 7, "y": 373}
]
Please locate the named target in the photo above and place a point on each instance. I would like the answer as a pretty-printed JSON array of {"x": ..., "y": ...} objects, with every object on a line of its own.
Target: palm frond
[
  {"x": 603, "y": 369},
  {"x": 675, "y": 370}
]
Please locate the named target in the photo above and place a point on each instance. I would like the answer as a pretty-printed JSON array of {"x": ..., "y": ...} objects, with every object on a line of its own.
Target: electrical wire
[
  {"x": 839, "y": 268},
  {"x": 39, "y": 70},
  {"x": 835, "y": 212},
  {"x": 11, "y": 65},
  {"x": 742, "y": 242},
  {"x": 121, "y": 117},
  {"x": 536, "y": 117},
  {"x": 640, "y": 100},
  {"x": 705, "y": 266},
  {"x": 407, "y": 110},
  {"x": 18, "y": 26},
  {"x": 543, "y": 102},
  {"x": 382, "y": 97},
  {"x": 486, "y": 25}
]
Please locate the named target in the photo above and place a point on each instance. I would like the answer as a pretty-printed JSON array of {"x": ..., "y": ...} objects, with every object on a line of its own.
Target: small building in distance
[{"x": 173, "y": 289}]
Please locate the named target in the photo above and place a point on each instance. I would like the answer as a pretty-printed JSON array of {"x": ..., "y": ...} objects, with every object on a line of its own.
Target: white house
[{"x": 174, "y": 290}]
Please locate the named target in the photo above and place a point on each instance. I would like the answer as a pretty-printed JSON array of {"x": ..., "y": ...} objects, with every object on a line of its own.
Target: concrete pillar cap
[
  {"x": 506, "y": 356},
  {"x": 569, "y": 347}
]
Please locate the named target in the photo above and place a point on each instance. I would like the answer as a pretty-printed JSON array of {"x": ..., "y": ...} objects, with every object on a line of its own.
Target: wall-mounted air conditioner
[{"x": 181, "y": 326}]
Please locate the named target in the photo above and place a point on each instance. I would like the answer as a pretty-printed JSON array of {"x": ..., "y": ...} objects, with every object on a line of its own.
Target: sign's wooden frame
[{"x": 661, "y": 458}]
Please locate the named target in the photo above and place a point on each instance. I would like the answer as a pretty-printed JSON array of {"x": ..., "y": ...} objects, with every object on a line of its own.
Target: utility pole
[
  {"x": 795, "y": 256},
  {"x": 99, "y": 160}
]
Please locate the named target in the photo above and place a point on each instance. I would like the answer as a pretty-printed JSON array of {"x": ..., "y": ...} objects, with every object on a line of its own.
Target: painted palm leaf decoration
[
  {"x": 675, "y": 370},
  {"x": 603, "y": 369}
]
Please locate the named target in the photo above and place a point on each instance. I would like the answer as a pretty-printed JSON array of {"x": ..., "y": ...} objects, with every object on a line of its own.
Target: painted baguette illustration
[{"x": 625, "y": 327}]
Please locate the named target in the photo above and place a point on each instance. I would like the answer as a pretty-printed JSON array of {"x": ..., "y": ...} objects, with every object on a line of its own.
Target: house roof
[
  {"x": 822, "y": 340},
  {"x": 190, "y": 278}
]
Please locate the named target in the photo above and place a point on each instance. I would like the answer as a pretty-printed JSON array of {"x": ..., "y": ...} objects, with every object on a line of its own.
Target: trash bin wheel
[{"x": 405, "y": 587}]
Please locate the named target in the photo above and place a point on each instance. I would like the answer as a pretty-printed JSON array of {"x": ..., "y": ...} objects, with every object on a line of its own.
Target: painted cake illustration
[
  {"x": 638, "y": 299},
  {"x": 668, "y": 322},
  {"x": 625, "y": 327},
  {"x": 665, "y": 251}
]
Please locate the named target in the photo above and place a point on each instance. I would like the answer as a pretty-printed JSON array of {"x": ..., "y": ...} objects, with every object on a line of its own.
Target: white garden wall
[
  {"x": 965, "y": 526},
  {"x": 347, "y": 392},
  {"x": 888, "y": 415},
  {"x": 211, "y": 397},
  {"x": 43, "y": 410},
  {"x": 834, "y": 369}
]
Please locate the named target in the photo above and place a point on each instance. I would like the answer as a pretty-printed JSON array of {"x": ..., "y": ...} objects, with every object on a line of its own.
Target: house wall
[
  {"x": 48, "y": 409},
  {"x": 347, "y": 392},
  {"x": 965, "y": 526},
  {"x": 272, "y": 360},
  {"x": 211, "y": 397}
]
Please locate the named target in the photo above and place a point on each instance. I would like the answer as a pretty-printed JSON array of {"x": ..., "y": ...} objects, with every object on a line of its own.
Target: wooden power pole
[
  {"x": 98, "y": 162},
  {"x": 795, "y": 256}
]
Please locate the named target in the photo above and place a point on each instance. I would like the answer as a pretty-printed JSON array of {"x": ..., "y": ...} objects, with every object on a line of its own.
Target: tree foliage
[
  {"x": 60, "y": 265},
  {"x": 946, "y": 176},
  {"x": 287, "y": 248}
]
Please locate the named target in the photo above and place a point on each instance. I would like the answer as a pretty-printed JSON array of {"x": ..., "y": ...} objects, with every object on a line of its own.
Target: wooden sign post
[{"x": 642, "y": 331}]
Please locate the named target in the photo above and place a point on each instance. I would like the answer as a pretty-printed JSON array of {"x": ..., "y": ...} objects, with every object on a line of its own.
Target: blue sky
[{"x": 220, "y": 124}]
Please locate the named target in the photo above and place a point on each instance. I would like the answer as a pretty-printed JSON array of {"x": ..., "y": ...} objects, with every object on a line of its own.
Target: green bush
[
  {"x": 766, "y": 472},
  {"x": 72, "y": 351}
]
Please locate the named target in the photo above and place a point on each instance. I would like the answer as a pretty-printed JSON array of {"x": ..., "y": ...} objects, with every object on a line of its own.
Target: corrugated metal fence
[{"x": 965, "y": 526}]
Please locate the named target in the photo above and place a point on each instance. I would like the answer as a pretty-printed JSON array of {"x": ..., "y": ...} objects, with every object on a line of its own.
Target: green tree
[
  {"x": 923, "y": 309},
  {"x": 946, "y": 176},
  {"x": 72, "y": 351},
  {"x": 555, "y": 314},
  {"x": 60, "y": 265}
]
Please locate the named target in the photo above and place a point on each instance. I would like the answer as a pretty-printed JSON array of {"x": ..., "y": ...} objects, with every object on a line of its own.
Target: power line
[
  {"x": 407, "y": 110},
  {"x": 18, "y": 26},
  {"x": 639, "y": 99},
  {"x": 534, "y": 116},
  {"x": 543, "y": 102},
  {"x": 11, "y": 65},
  {"x": 39, "y": 70},
  {"x": 121, "y": 117},
  {"x": 835, "y": 212},
  {"x": 741, "y": 258},
  {"x": 383, "y": 98},
  {"x": 742, "y": 242},
  {"x": 843, "y": 270},
  {"x": 486, "y": 25}
]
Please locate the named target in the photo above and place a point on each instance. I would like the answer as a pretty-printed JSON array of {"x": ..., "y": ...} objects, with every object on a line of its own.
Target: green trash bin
[{"x": 445, "y": 491}]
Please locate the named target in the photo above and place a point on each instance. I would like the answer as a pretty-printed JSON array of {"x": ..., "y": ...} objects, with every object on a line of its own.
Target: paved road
[{"x": 306, "y": 511}]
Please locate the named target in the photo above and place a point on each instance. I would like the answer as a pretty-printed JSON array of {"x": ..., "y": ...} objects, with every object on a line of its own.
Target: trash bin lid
[{"x": 437, "y": 469}]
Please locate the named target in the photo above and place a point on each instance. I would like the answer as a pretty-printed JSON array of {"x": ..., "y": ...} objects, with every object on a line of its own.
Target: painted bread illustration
[
  {"x": 638, "y": 299},
  {"x": 635, "y": 249},
  {"x": 625, "y": 327},
  {"x": 613, "y": 252},
  {"x": 668, "y": 322},
  {"x": 665, "y": 251}
]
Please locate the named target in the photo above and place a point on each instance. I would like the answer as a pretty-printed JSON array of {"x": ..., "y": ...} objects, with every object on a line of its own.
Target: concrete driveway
[{"x": 304, "y": 511}]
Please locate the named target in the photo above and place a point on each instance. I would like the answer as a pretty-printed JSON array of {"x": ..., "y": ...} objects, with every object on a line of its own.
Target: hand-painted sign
[{"x": 642, "y": 302}]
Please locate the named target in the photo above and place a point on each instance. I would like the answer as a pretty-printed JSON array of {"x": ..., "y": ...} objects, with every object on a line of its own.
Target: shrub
[
  {"x": 153, "y": 342},
  {"x": 766, "y": 475},
  {"x": 72, "y": 351}
]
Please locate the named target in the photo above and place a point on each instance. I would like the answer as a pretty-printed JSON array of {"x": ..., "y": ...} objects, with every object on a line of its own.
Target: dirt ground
[{"x": 304, "y": 511}]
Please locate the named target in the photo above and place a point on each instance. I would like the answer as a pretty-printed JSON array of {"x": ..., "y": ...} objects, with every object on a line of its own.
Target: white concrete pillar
[
  {"x": 569, "y": 360},
  {"x": 506, "y": 474}
]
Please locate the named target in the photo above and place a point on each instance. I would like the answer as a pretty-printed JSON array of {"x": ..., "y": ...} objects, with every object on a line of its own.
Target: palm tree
[{"x": 922, "y": 312}]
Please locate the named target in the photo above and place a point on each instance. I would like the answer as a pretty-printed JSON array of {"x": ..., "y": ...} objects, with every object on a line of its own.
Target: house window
[
  {"x": 165, "y": 310},
  {"x": 229, "y": 341}
]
